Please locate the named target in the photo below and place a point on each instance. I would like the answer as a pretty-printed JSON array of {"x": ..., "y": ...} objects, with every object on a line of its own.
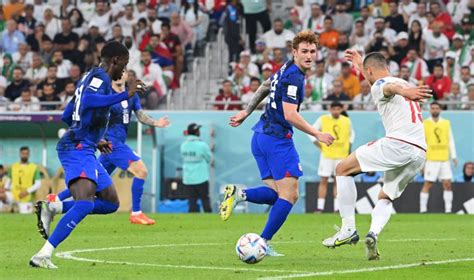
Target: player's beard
[{"x": 435, "y": 115}]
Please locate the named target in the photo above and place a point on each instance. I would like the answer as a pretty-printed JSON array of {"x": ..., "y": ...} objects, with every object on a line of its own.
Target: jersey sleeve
[
  {"x": 293, "y": 87},
  {"x": 136, "y": 103},
  {"x": 377, "y": 90},
  {"x": 98, "y": 93}
]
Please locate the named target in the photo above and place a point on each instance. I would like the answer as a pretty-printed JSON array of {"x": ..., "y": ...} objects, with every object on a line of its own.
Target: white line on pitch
[{"x": 369, "y": 269}]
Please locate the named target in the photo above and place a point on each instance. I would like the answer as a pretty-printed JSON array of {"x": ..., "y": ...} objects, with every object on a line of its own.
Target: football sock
[
  {"x": 104, "y": 207},
  {"x": 347, "y": 196},
  {"x": 137, "y": 192},
  {"x": 424, "y": 196},
  {"x": 70, "y": 220},
  {"x": 64, "y": 194},
  {"x": 448, "y": 201},
  {"x": 380, "y": 215},
  {"x": 46, "y": 250},
  {"x": 276, "y": 218},
  {"x": 336, "y": 205},
  {"x": 321, "y": 202},
  {"x": 260, "y": 195}
]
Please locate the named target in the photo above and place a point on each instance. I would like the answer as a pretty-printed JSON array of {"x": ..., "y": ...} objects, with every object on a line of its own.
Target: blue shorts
[
  {"x": 120, "y": 157},
  {"x": 83, "y": 164},
  {"x": 276, "y": 157}
]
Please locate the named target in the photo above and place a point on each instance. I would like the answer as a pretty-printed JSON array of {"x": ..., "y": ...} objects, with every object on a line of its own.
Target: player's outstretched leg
[
  {"x": 347, "y": 196},
  {"x": 380, "y": 217},
  {"x": 139, "y": 170},
  {"x": 259, "y": 195}
]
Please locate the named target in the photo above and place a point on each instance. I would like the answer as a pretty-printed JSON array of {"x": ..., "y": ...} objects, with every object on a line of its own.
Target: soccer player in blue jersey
[
  {"x": 272, "y": 143},
  {"x": 86, "y": 178},
  {"x": 121, "y": 155}
]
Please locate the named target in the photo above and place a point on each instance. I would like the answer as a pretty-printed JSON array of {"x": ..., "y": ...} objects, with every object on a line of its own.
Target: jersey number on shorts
[
  {"x": 273, "y": 86},
  {"x": 414, "y": 106},
  {"x": 75, "y": 115}
]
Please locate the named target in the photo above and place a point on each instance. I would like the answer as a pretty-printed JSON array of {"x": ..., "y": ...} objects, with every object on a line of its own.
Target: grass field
[{"x": 202, "y": 247}]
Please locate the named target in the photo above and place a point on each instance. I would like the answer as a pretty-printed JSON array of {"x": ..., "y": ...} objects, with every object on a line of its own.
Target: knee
[
  {"x": 142, "y": 173},
  {"x": 116, "y": 206},
  {"x": 290, "y": 197},
  {"x": 340, "y": 170}
]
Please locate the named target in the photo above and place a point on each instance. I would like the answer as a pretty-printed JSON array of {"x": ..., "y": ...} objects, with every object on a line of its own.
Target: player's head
[
  {"x": 435, "y": 109},
  {"x": 24, "y": 154},
  {"x": 115, "y": 56},
  {"x": 336, "y": 109},
  {"x": 375, "y": 67},
  {"x": 304, "y": 49},
  {"x": 193, "y": 129}
]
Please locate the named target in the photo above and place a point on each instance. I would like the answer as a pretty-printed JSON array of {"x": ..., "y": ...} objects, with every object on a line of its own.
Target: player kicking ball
[
  {"x": 120, "y": 154},
  {"x": 272, "y": 142},
  {"x": 400, "y": 154},
  {"x": 90, "y": 185}
]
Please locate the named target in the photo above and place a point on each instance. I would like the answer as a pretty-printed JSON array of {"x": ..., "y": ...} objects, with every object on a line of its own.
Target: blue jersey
[
  {"x": 120, "y": 118},
  {"x": 287, "y": 85},
  {"x": 88, "y": 113}
]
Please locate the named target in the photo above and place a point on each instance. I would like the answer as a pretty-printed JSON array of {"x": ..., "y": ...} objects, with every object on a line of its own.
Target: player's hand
[
  {"x": 354, "y": 57},
  {"x": 162, "y": 122},
  {"x": 455, "y": 162},
  {"x": 136, "y": 86},
  {"x": 105, "y": 147},
  {"x": 238, "y": 118},
  {"x": 23, "y": 194},
  {"x": 325, "y": 138},
  {"x": 419, "y": 93}
]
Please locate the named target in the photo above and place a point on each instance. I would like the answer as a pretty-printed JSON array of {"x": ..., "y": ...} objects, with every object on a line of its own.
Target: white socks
[
  {"x": 448, "y": 201},
  {"x": 136, "y": 213},
  {"x": 47, "y": 250},
  {"x": 424, "y": 202},
  {"x": 336, "y": 205},
  {"x": 381, "y": 215},
  {"x": 347, "y": 196},
  {"x": 56, "y": 207},
  {"x": 321, "y": 202}
]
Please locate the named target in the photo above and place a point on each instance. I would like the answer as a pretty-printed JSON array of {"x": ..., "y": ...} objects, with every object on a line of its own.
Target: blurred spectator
[
  {"x": 420, "y": 16},
  {"x": 278, "y": 59},
  {"x": 183, "y": 30},
  {"x": 468, "y": 98},
  {"x": 333, "y": 65},
  {"x": 160, "y": 54},
  {"x": 359, "y": 36},
  {"x": 451, "y": 68},
  {"x": 350, "y": 82},
  {"x": 364, "y": 98},
  {"x": 444, "y": 18},
  {"x": 465, "y": 80},
  {"x": 239, "y": 78},
  {"x": 247, "y": 97},
  {"x": 342, "y": 20},
  {"x": 38, "y": 11},
  {"x": 102, "y": 18},
  {"x": 226, "y": 96},
  {"x": 166, "y": 8},
  {"x": 27, "y": 23},
  {"x": 62, "y": 10},
  {"x": 457, "y": 9},
  {"x": 75, "y": 73},
  {"x": 52, "y": 24},
  {"x": 250, "y": 68},
  {"x": 69, "y": 90},
  {"x": 368, "y": 20},
  {"x": 64, "y": 65},
  {"x": 338, "y": 94},
  {"x": 277, "y": 36},
  {"x": 304, "y": 10},
  {"x": 153, "y": 22},
  {"x": 7, "y": 67},
  {"x": 34, "y": 39},
  {"x": 318, "y": 86},
  {"x": 415, "y": 36},
  {"x": 38, "y": 71},
  {"x": 173, "y": 43},
  {"x": 454, "y": 95},
  {"x": 49, "y": 96},
  {"x": 467, "y": 173},
  {"x": 343, "y": 44},
  {"x": 405, "y": 75},
  {"x": 141, "y": 11},
  {"x": 400, "y": 49},
  {"x": 388, "y": 34},
  {"x": 379, "y": 8},
  {"x": 436, "y": 44},
  {"x": 128, "y": 21},
  {"x": 392, "y": 65},
  {"x": 52, "y": 79},
  {"x": 466, "y": 30},
  {"x": 261, "y": 55},
  {"x": 23, "y": 57},
  {"x": 293, "y": 23},
  {"x": 47, "y": 49},
  {"x": 11, "y": 38},
  {"x": 195, "y": 18},
  {"x": 258, "y": 11},
  {"x": 3, "y": 99},
  {"x": 78, "y": 23},
  {"x": 461, "y": 50},
  {"x": 13, "y": 9},
  {"x": 407, "y": 8},
  {"x": 26, "y": 102},
  {"x": 395, "y": 20},
  {"x": 330, "y": 37},
  {"x": 267, "y": 71},
  {"x": 152, "y": 75},
  {"x": 231, "y": 23},
  {"x": 66, "y": 41},
  {"x": 418, "y": 68},
  {"x": 439, "y": 83},
  {"x": 13, "y": 91},
  {"x": 315, "y": 22}
]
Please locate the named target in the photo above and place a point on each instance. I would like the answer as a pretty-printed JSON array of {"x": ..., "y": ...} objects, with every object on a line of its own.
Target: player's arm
[
  {"x": 418, "y": 93},
  {"x": 68, "y": 111},
  {"x": 317, "y": 126},
  {"x": 36, "y": 184},
  {"x": 294, "y": 118},
  {"x": 261, "y": 93},
  {"x": 144, "y": 118},
  {"x": 96, "y": 97}
]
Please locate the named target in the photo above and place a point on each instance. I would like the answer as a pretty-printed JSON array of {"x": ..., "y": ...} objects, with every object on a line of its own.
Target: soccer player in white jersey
[{"x": 400, "y": 154}]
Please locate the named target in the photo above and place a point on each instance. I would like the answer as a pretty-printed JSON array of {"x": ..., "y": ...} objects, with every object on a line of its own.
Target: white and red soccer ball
[{"x": 251, "y": 248}]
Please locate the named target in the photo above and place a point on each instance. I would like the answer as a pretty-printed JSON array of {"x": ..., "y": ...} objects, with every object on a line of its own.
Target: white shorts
[
  {"x": 327, "y": 166},
  {"x": 399, "y": 161},
  {"x": 437, "y": 170}
]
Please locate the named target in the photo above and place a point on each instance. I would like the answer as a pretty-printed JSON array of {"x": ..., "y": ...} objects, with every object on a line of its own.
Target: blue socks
[
  {"x": 137, "y": 192},
  {"x": 64, "y": 194},
  {"x": 70, "y": 220},
  {"x": 100, "y": 206},
  {"x": 261, "y": 195},
  {"x": 277, "y": 217}
]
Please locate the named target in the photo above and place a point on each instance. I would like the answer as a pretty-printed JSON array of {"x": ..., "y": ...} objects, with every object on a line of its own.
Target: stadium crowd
[{"x": 425, "y": 43}]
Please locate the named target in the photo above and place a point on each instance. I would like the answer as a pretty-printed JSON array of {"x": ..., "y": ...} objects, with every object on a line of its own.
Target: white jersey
[{"x": 401, "y": 118}]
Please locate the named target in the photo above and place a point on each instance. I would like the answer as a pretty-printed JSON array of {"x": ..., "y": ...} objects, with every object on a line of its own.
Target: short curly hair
[{"x": 305, "y": 36}]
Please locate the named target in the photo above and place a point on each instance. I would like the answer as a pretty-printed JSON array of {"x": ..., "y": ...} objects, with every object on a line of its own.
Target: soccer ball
[{"x": 251, "y": 248}]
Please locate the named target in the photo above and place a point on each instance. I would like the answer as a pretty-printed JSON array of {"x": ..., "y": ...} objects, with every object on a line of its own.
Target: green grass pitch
[{"x": 202, "y": 247}]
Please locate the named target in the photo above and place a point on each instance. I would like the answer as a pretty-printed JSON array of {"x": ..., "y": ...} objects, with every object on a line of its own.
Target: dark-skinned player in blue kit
[
  {"x": 88, "y": 181},
  {"x": 272, "y": 143}
]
